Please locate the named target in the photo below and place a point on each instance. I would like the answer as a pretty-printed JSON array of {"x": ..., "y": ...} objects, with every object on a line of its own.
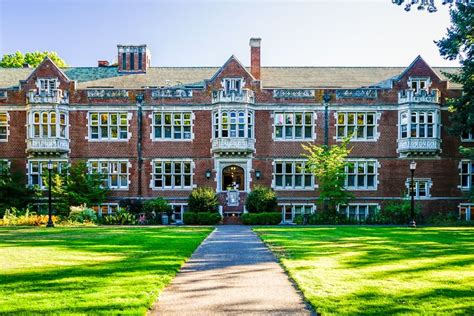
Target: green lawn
[
  {"x": 90, "y": 270},
  {"x": 379, "y": 270}
]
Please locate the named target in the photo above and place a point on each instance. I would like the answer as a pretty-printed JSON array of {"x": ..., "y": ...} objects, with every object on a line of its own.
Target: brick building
[{"x": 161, "y": 131}]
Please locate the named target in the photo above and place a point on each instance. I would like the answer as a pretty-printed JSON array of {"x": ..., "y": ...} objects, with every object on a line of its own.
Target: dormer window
[
  {"x": 233, "y": 85},
  {"x": 418, "y": 84},
  {"x": 46, "y": 86}
]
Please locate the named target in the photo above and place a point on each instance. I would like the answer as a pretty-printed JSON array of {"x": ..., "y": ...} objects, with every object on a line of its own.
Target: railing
[
  {"x": 47, "y": 145},
  {"x": 55, "y": 96},
  {"x": 419, "y": 145},
  {"x": 422, "y": 96},
  {"x": 245, "y": 96},
  {"x": 246, "y": 145}
]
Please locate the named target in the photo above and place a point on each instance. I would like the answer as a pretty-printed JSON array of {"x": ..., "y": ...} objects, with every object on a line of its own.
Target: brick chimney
[
  {"x": 255, "y": 57},
  {"x": 133, "y": 58}
]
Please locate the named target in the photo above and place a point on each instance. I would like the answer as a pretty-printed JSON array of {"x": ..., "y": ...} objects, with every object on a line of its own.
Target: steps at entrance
[{"x": 232, "y": 220}]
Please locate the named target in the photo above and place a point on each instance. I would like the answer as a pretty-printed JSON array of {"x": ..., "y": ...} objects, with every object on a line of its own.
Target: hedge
[
  {"x": 270, "y": 218},
  {"x": 205, "y": 218}
]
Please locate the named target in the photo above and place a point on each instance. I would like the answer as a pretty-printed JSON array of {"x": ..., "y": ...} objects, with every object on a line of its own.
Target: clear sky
[{"x": 206, "y": 33}]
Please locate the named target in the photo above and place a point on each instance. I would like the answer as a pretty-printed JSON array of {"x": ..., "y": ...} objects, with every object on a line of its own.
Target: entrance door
[{"x": 233, "y": 178}]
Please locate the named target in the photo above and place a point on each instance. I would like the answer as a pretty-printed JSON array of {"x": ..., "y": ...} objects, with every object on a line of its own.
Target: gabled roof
[
  {"x": 226, "y": 64},
  {"x": 416, "y": 61},
  {"x": 55, "y": 69}
]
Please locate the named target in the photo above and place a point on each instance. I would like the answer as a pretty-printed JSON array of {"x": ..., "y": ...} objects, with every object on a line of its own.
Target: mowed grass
[
  {"x": 379, "y": 270},
  {"x": 90, "y": 270}
]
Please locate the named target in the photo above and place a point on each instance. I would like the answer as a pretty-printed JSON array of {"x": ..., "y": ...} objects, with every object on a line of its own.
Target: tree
[
  {"x": 76, "y": 186},
  {"x": 203, "y": 200},
  {"x": 328, "y": 165},
  {"x": 261, "y": 199},
  {"x": 17, "y": 59},
  {"x": 459, "y": 44},
  {"x": 13, "y": 193}
]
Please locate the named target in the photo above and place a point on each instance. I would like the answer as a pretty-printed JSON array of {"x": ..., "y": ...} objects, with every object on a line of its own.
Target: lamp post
[
  {"x": 412, "y": 194},
  {"x": 50, "y": 211}
]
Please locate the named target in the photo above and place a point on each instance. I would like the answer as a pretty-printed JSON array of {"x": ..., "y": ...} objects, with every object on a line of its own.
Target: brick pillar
[{"x": 255, "y": 57}]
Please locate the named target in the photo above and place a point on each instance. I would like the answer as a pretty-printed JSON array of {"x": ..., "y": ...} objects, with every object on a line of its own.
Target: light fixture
[
  {"x": 50, "y": 165},
  {"x": 413, "y": 165},
  {"x": 258, "y": 174},
  {"x": 428, "y": 4},
  {"x": 208, "y": 174}
]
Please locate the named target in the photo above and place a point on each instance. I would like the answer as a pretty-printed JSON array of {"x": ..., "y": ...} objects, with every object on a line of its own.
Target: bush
[
  {"x": 203, "y": 218},
  {"x": 203, "y": 200},
  {"x": 121, "y": 217},
  {"x": 267, "y": 218},
  {"x": 15, "y": 217},
  {"x": 133, "y": 206},
  {"x": 396, "y": 213},
  {"x": 321, "y": 218},
  {"x": 82, "y": 214},
  {"x": 261, "y": 199},
  {"x": 153, "y": 210}
]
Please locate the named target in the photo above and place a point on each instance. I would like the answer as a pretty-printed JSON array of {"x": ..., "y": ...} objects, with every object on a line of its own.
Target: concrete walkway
[{"x": 232, "y": 272}]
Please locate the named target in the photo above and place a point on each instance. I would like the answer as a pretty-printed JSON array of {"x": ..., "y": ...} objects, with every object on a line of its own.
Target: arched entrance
[{"x": 233, "y": 178}]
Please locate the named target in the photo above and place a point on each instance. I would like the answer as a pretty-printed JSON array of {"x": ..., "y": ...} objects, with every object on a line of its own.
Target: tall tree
[
  {"x": 13, "y": 192},
  {"x": 17, "y": 59},
  {"x": 459, "y": 44}
]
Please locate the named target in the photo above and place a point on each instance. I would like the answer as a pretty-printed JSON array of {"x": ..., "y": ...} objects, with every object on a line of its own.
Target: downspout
[
  {"x": 139, "y": 99},
  {"x": 326, "y": 99}
]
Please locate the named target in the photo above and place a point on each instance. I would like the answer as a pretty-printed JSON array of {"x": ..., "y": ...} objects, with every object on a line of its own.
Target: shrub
[
  {"x": 15, "y": 217},
  {"x": 267, "y": 218},
  {"x": 396, "y": 213},
  {"x": 133, "y": 206},
  {"x": 323, "y": 218},
  {"x": 261, "y": 199},
  {"x": 203, "y": 200},
  {"x": 121, "y": 217},
  {"x": 202, "y": 218},
  {"x": 154, "y": 209},
  {"x": 82, "y": 214}
]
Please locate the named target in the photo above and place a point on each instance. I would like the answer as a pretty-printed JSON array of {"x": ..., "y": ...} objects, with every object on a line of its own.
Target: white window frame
[
  {"x": 419, "y": 83},
  {"x": 174, "y": 126},
  {"x": 161, "y": 176},
  {"x": 293, "y": 174},
  {"x": 43, "y": 167},
  {"x": 346, "y": 125},
  {"x": 110, "y": 165},
  {"x": 97, "y": 123},
  {"x": 428, "y": 183},
  {"x": 284, "y": 206},
  {"x": 108, "y": 206},
  {"x": 468, "y": 208},
  {"x": 365, "y": 174},
  {"x": 469, "y": 174},
  {"x": 183, "y": 207},
  {"x": 468, "y": 137},
  {"x": 5, "y": 165},
  {"x": 6, "y": 125},
  {"x": 346, "y": 209},
  {"x": 223, "y": 120},
  {"x": 46, "y": 86},
  {"x": 44, "y": 127},
  {"x": 233, "y": 85},
  {"x": 284, "y": 125}
]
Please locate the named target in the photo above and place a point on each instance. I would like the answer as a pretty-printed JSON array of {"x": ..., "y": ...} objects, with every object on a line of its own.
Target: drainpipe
[
  {"x": 139, "y": 99},
  {"x": 326, "y": 99}
]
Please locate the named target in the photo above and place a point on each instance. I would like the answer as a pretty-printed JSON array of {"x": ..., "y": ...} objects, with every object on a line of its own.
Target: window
[
  {"x": 466, "y": 136},
  {"x": 291, "y": 211},
  {"x": 106, "y": 209},
  {"x": 108, "y": 125},
  {"x": 293, "y": 125},
  {"x": 47, "y": 124},
  {"x": 233, "y": 85},
  {"x": 115, "y": 172},
  {"x": 361, "y": 125},
  {"x": 172, "y": 125},
  {"x": 4, "y": 168},
  {"x": 3, "y": 126},
  {"x": 465, "y": 211},
  {"x": 418, "y": 84},
  {"x": 421, "y": 187},
  {"x": 358, "y": 212},
  {"x": 361, "y": 175},
  {"x": 467, "y": 174},
  {"x": 233, "y": 124},
  {"x": 140, "y": 62},
  {"x": 172, "y": 174},
  {"x": 124, "y": 61},
  {"x": 132, "y": 61},
  {"x": 418, "y": 124},
  {"x": 38, "y": 169},
  {"x": 46, "y": 86},
  {"x": 178, "y": 212},
  {"x": 292, "y": 175}
]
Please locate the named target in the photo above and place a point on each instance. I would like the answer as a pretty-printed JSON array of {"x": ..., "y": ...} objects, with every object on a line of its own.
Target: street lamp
[
  {"x": 50, "y": 220},
  {"x": 412, "y": 194}
]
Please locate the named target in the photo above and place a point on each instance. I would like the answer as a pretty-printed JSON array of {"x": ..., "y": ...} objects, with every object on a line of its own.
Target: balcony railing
[
  {"x": 56, "y": 96},
  {"x": 47, "y": 145},
  {"x": 245, "y": 96},
  {"x": 419, "y": 146},
  {"x": 233, "y": 145},
  {"x": 422, "y": 96}
]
